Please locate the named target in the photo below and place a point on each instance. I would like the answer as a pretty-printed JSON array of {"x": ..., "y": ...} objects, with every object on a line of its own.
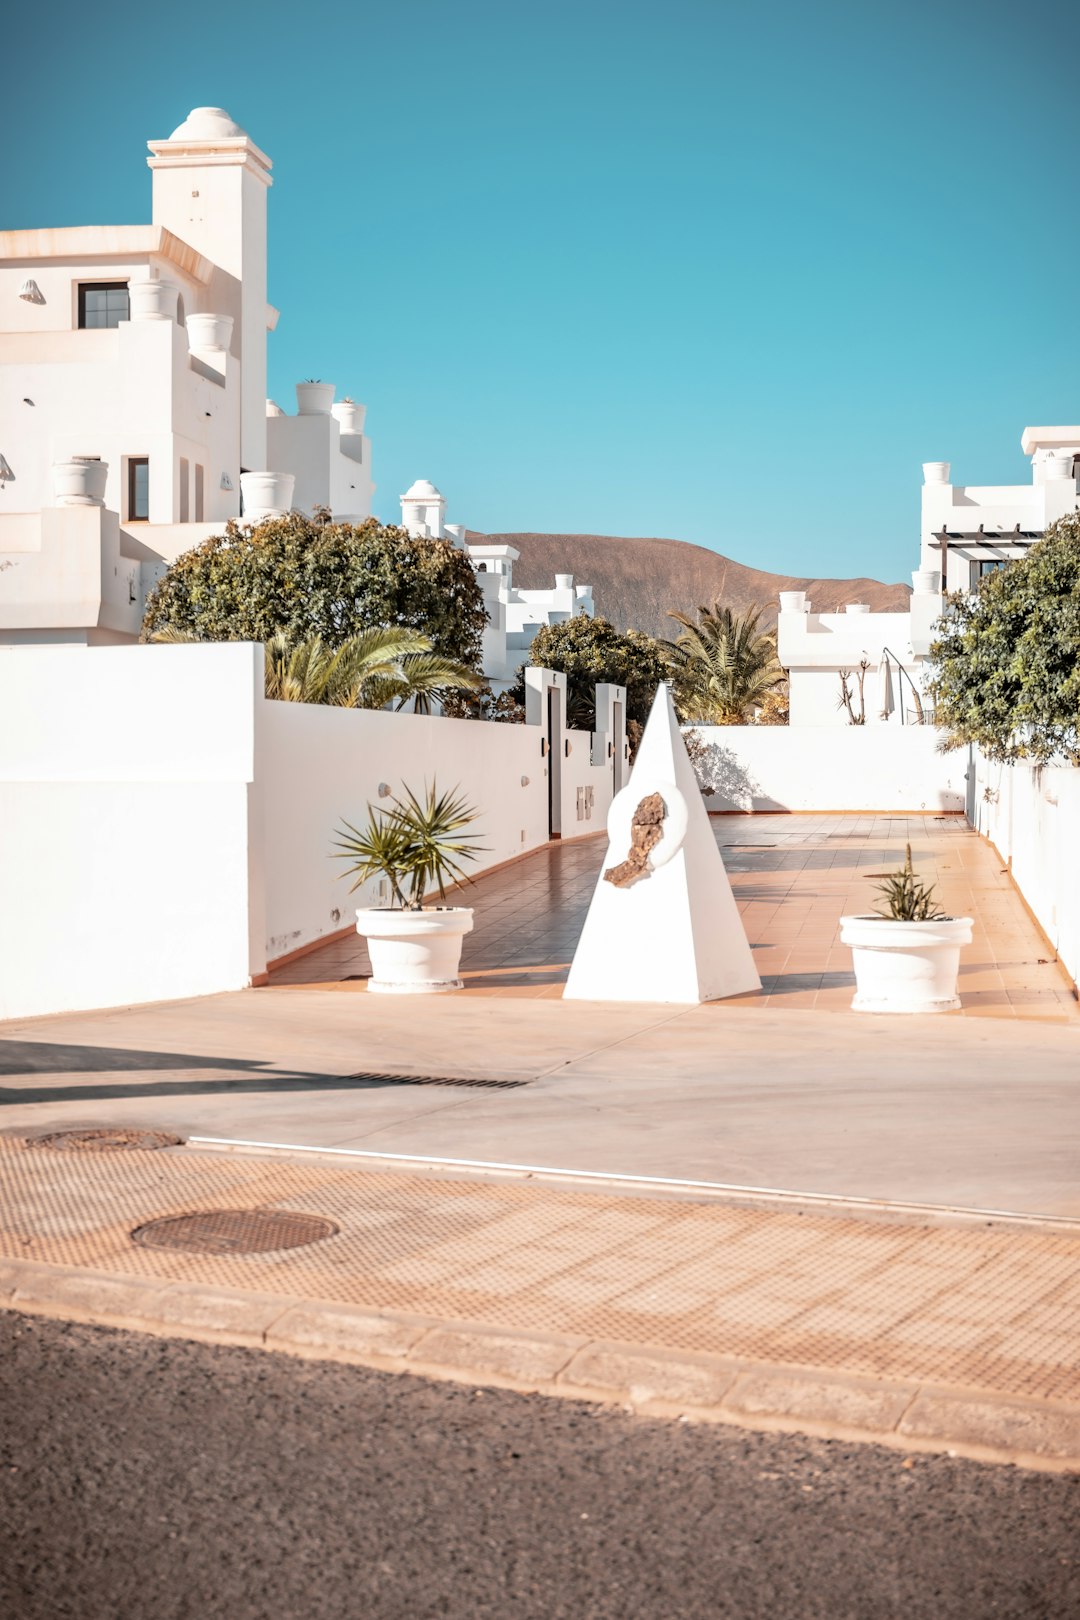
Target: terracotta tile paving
[
  {"x": 992, "y": 1307},
  {"x": 793, "y": 877}
]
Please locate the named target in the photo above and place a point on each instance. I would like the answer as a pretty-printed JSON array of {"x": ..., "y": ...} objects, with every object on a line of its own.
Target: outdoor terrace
[{"x": 793, "y": 876}]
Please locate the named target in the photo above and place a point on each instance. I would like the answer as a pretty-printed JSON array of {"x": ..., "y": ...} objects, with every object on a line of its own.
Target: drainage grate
[
  {"x": 106, "y": 1141},
  {"x": 233, "y": 1231},
  {"x": 484, "y": 1082}
]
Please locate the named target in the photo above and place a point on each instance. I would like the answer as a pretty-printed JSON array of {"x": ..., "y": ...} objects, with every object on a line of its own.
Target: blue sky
[{"x": 701, "y": 270}]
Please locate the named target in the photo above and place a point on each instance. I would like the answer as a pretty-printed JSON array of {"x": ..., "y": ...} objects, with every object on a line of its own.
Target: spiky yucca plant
[
  {"x": 415, "y": 843},
  {"x": 905, "y": 898}
]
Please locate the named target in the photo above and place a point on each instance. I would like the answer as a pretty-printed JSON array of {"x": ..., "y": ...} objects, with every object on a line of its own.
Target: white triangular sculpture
[{"x": 673, "y": 934}]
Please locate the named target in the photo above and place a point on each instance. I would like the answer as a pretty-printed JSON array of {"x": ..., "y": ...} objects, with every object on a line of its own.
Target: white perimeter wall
[
  {"x": 165, "y": 831},
  {"x": 1032, "y": 818},
  {"x": 317, "y": 765},
  {"x": 125, "y": 776},
  {"x": 854, "y": 768}
]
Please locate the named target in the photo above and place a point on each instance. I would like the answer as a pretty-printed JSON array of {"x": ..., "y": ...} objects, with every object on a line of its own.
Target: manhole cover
[
  {"x": 106, "y": 1141},
  {"x": 233, "y": 1231}
]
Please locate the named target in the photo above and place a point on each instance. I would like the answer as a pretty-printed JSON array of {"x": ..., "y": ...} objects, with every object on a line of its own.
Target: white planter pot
[
  {"x": 349, "y": 416},
  {"x": 936, "y": 472},
  {"x": 209, "y": 331},
  {"x": 314, "y": 398},
  {"x": 79, "y": 482},
  {"x": 152, "y": 300},
  {"x": 414, "y": 952},
  {"x": 266, "y": 495},
  {"x": 857, "y": 607},
  {"x": 794, "y": 602},
  {"x": 905, "y": 967},
  {"x": 925, "y": 582},
  {"x": 1059, "y": 466}
]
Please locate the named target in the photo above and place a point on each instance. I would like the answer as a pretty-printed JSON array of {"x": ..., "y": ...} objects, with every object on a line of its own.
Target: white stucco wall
[
  {"x": 166, "y": 830},
  {"x": 855, "y": 768},
  {"x": 1033, "y": 819},
  {"x": 316, "y": 765},
  {"x": 125, "y": 861},
  {"x": 331, "y": 468}
]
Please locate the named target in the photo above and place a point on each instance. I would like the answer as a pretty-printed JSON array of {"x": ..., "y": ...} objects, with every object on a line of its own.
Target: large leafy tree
[
  {"x": 725, "y": 669},
  {"x": 590, "y": 651},
  {"x": 1006, "y": 662},
  {"x": 312, "y": 577}
]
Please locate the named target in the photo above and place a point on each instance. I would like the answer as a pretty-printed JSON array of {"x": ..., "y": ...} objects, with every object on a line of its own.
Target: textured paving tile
[{"x": 986, "y": 1307}]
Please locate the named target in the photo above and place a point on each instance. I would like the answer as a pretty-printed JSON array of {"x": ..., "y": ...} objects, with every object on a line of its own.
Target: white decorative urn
[
  {"x": 209, "y": 332},
  {"x": 905, "y": 967},
  {"x": 857, "y": 607},
  {"x": 936, "y": 472},
  {"x": 152, "y": 300},
  {"x": 926, "y": 582},
  {"x": 349, "y": 415},
  {"x": 794, "y": 602},
  {"x": 314, "y": 398},
  {"x": 1059, "y": 464},
  {"x": 79, "y": 482},
  {"x": 414, "y": 952},
  {"x": 266, "y": 495}
]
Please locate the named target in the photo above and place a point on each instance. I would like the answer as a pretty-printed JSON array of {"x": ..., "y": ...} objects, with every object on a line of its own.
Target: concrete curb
[{"x": 907, "y": 1416}]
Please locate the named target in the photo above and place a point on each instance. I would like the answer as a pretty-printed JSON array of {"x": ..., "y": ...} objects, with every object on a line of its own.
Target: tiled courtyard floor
[{"x": 794, "y": 876}]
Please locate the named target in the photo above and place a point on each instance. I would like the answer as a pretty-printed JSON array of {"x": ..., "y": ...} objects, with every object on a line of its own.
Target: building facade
[
  {"x": 134, "y": 420},
  {"x": 514, "y": 616},
  {"x": 879, "y": 660}
]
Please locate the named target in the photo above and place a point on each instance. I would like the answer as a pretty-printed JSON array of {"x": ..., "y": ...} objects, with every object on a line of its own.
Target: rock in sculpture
[{"x": 646, "y": 830}]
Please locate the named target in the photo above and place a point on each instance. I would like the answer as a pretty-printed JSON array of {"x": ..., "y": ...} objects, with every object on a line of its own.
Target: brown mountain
[{"x": 636, "y": 582}]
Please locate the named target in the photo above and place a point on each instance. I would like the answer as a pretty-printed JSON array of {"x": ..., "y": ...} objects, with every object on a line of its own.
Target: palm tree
[
  {"x": 723, "y": 666},
  {"x": 368, "y": 670}
]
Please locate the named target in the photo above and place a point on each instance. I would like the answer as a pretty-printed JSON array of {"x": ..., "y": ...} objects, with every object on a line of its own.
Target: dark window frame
[
  {"x": 134, "y": 462},
  {"x": 101, "y": 286}
]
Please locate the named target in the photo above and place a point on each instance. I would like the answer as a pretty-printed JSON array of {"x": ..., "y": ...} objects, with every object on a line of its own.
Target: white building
[
  {"x": 967, "y": 531},
  {"x": 514, "y": 616},
  {"x": 133, "y": 418}
]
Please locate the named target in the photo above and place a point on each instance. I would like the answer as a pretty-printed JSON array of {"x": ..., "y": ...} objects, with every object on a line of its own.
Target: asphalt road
[{"x": 142, "y": 1477}]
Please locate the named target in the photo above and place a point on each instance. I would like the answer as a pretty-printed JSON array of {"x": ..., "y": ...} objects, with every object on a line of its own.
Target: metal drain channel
[{"x": 474, "y": 1081}]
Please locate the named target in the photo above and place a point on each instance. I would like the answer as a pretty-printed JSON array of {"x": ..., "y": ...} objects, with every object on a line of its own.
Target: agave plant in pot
[
  {"x": 906, "y": 956},
  {"x": 415, "y": 844}
]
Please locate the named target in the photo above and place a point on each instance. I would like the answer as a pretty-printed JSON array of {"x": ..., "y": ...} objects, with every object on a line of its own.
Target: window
[
  {"x": 138, "y": 489},
  {"x": 184, "y": 489},
  {"x": 991, "y": 566},
  {"x": 102, "y": 303}
]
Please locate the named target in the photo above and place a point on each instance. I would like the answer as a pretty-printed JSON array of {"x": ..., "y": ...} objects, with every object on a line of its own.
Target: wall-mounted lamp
[
  {"x": 524, "y": 781},
  {"x": 6, "y": 474},
  {"x": 27, "y": 401},
  {"x": 384, "y": 790},
  {"x": 226, "y": 481},
  {"x": 31, "y": 293}
]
